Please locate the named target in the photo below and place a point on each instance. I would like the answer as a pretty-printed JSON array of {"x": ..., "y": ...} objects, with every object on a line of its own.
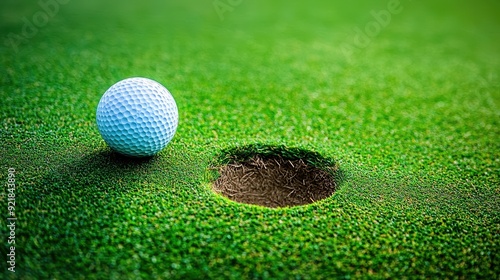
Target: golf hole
[{"x": 276, "y": 177}]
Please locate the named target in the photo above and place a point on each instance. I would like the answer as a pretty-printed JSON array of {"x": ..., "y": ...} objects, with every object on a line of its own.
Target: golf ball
[{"x": 137, "y": 117}]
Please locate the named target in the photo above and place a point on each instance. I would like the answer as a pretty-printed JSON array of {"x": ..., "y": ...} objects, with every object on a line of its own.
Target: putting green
[{"x": 402, "y": 95}]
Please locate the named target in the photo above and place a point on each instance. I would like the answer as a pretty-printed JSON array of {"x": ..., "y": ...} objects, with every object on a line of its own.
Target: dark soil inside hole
[{"x": 274, "y": 182}]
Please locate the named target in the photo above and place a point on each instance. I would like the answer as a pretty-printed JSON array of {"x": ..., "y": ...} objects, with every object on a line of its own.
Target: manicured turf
[{"x": 410, "y": 114}]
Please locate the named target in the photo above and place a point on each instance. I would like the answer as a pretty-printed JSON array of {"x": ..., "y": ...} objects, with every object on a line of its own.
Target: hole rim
[{"x": 244, "y": 153}]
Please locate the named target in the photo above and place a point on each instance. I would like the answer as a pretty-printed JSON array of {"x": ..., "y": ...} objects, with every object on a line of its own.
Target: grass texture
[{"x": 409, "y": 112}]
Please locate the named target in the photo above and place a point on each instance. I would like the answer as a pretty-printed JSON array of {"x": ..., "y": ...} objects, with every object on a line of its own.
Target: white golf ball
[{"x": 137, "y": 117}]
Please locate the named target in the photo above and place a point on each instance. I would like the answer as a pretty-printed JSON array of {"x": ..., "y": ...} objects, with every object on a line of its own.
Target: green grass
[{"x": 412, "y": 120}]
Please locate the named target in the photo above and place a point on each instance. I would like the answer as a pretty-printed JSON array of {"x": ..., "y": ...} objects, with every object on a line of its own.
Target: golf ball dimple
[{"x": 137, "y": 117}]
